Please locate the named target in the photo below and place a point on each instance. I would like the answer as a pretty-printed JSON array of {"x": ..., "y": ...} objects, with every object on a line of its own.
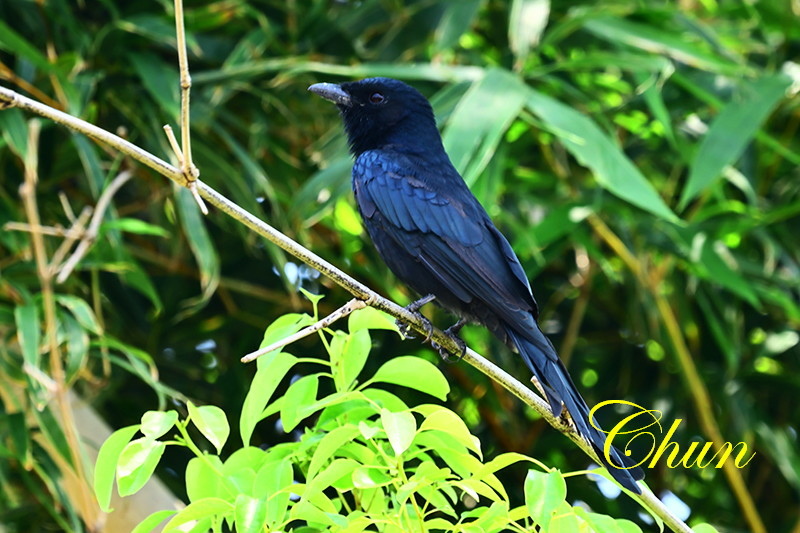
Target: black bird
[{"x": 437, "y": 238}]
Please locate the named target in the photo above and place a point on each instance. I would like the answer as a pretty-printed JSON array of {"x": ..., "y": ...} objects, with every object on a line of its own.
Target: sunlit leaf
[
  {"x": 106, "y": 466},
  {"x": 414, "y": 373},
  {"x": 594, "y": 149}
]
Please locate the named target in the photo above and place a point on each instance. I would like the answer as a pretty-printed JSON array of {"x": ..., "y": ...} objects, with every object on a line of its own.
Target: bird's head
[{"x": 378, "y": 112}]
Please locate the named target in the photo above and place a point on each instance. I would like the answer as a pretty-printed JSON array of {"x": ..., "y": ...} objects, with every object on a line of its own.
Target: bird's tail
[{"x": 541, "y": 358}]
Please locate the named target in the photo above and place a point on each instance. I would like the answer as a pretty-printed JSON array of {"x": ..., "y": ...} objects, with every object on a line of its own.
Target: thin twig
[
  {"x": 75, "y": 232},
  {"x": 342, "y": 312},
  {"x": 51, "y": 231},
  {"x": 94, "y": 226},
  {"x": 359, "y": 290}
]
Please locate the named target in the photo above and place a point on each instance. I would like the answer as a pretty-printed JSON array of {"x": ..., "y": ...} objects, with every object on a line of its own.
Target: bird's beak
[{"x": 331, "y": 92}]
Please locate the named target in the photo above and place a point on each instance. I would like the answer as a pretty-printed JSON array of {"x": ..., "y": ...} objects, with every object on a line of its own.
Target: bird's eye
[{"x": 377, "y": 98}]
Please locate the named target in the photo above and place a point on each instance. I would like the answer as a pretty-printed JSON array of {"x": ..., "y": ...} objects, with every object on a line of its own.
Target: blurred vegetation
[{"x": 642, "y": 158}]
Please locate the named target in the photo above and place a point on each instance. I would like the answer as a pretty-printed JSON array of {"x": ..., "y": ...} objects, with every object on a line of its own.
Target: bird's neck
[{"x": 408, "y": 137}]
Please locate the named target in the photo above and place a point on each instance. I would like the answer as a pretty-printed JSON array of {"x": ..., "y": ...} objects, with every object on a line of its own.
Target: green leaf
[
  {"x": 445, "y": 420},
  {"x": 29, "y": 332},
  {"x": 299, "y": 396},
  {"x": 204, "y": 479},
  {"x": 199, "y": 241},
  {"x": 353, "y": 356},
  {"x": 250, "y": 514},
  {"x": 660, "y": 42},
  {"x": 13, "y": 127},
  {"x": 370, "y": 318},
  {"x": 480, "y": 119},
  {"x": 544, "y": 493},
  {"x": 77, "y": 345},
  {"x": 594, "y": 149},
  {"x": 600, "y": 523},
  {"x": 161, "y": 81},
  {"x": 274, "y": 482},
  {"x": 106, "y": 465},
  {"x": 90, "y": 161},
  {"x": 212, "y": 423},
  {"x": 332, "y": 442},
  {"x": 718, "y": 270},
  {"x": 152, "y": 521},
  {"x": 370, "y": 477},
  {"x": 272, "y": 367},
  {"x": 731, "y": 132},
  {"x": 526, "y": 22},
  {"x": 335, "y": 471},
  {"x": 157, "y": 423},
  {"x": 271, "y": 370},
  {"x": 81, "y": 311},
  {"x": 456, "y": 20},
  {"x": 199, "y": 510},
  {"x": 563, "y": 520},
  {"x": 134, "y": 225},
  {"x": 400, "y": 429},
  {"x": 414, "y": 373},
  {"x": 136, "y": 464}
]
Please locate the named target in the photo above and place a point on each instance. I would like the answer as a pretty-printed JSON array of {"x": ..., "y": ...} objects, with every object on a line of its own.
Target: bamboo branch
[{"x": 10, "y": 98}]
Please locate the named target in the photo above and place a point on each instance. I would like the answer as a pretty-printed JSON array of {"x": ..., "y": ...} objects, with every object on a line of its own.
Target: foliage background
[{"x": 689, "y": 92}]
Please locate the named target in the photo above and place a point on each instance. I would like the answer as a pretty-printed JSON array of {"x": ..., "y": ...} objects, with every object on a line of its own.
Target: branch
[
  {"x": 94, "y": 226},
  {"x": 346, "y": 309},
  {"x": 10, "y": 98}
]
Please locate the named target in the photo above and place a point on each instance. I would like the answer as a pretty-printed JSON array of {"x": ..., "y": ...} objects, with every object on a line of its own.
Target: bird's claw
[
  {"x": 452, "y": 332},
  {"x": 413, "y": 308}
]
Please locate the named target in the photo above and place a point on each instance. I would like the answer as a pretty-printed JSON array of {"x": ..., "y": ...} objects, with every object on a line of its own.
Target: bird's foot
[
  {"x": 414, "y": 308},
  {"x": 452, "y": 332}
]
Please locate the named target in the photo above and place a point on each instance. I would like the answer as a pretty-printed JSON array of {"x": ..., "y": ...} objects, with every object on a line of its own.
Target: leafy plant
[{"x": 363, "y": 460}]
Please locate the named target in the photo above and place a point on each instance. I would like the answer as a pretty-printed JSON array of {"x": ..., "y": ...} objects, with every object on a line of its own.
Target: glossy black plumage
[{"x": 436, "y": 237}]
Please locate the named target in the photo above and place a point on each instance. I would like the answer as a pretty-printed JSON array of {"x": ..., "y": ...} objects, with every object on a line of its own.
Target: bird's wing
[{"x": 448, "y": 231}]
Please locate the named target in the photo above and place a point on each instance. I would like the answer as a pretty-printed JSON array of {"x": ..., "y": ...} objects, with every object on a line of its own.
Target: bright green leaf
[
  {"x": 332, "y": 442},
  {"x": 199, "y": 510},
  {"x": 134, "y": 225},
  {"x": 136, "y": 465},
  {"x": 212, "y": 423},
  {"x": 152, "y": 521},
  {"x": 544, "y": 493},
  {"x": 106, "y": 466},
  {"x": 271, "y": 370},
  {"x": 299, "y": 396},
  {"x": 370, "y": 318},
  {"x": 400, "y": 429},
  {"x": 204, "y": 479},
  {"x": 157, "y": 423},
  {"x": 414, "y": 373},
  {"x": 274, "y": 481},
  {"x": 250, "y": 514},
  {"x": 445, "y": 420}
]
